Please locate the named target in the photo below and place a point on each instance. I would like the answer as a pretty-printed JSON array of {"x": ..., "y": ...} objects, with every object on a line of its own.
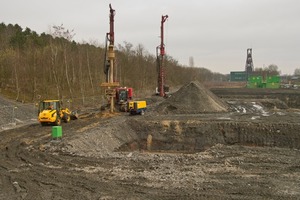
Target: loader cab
[
  {"x": 123, "y": 95},
  {"x": 49, "y": 105}
]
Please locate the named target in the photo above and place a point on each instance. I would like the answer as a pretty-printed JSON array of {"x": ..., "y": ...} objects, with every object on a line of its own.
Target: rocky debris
[
  {"x": 100, "y": 138},
  {"x": 20, "y": 190},
  {"x": 192, "y": 98},
  {"x": 86, "y": 165},
  {"x": 14, "y": 114}
]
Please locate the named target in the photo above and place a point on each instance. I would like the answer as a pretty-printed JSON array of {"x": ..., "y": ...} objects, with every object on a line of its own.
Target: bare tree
[
  {"x": 54, "y": 70},
  {"x": 89, "y": 70},
  {"x": 297, "y": 72},
  {"x": 270, "y": 70},
  {"x": 61, "y": 32},
  {"x": 16, "y": 73}
]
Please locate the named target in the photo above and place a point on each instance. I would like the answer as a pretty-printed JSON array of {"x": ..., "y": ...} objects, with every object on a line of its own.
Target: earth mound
[{"x": 192, "y": 98}]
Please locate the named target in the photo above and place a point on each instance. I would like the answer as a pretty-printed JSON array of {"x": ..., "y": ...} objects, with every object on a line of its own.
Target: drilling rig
[
  {"x": 109, "y": 61},
  {"x": 162, "y": 89},
  {"x": 118, "y": 96}
]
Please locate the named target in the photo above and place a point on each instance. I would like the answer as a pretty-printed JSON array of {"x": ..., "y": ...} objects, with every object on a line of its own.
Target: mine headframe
[
  {"x": 249, "y": 62},
  {"x": 160, "y": 59}
]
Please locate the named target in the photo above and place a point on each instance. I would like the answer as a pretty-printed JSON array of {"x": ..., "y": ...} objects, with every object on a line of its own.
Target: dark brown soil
[{"x": 250, "y": 152}]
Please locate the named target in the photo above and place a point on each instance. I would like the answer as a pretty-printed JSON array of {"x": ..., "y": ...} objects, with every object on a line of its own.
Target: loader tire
[{"x": 57, "y": 122}]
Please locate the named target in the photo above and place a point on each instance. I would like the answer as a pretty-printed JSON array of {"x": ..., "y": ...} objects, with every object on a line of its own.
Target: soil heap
[{"x": 192, "y": 98}]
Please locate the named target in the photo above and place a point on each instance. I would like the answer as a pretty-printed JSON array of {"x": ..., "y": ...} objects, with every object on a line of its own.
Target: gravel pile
[
  {"x": 192, "y": 98},
  {"x": 100, "y": 138}
]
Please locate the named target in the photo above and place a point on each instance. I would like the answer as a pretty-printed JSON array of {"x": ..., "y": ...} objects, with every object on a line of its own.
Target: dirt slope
[{"x": 85, "y": 163}]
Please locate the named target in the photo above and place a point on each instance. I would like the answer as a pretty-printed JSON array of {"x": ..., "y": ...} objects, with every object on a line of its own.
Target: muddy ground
[{"x": 250, "y": 152}]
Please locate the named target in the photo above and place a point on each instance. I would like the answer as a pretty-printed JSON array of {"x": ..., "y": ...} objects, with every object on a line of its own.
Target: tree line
[{"x": 42, "y": 66}]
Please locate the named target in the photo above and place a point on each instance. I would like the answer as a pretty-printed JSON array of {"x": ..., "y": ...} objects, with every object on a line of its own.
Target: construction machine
[
  {"x": 123, "y": 96},
  {"x": 52, "y": 112},
  {"x": 137, "y": 107},
  {"x": 109, "y": 61}
]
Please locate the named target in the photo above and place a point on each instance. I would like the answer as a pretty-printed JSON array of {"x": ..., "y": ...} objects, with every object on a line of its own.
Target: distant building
[
  {"x": 238, "y": 76},
  {"x": 242, "y": 76}
]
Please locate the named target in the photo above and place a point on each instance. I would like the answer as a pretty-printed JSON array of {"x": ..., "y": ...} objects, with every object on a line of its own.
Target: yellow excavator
[{"x": 51, "y": 112}]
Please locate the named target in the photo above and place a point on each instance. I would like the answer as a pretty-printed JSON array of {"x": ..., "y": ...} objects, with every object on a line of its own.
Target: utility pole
[{"x": 160, "y": 59}]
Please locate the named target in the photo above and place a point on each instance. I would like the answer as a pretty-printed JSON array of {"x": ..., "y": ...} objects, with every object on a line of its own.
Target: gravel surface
[
  {"x": 14, "y": 114},
  {"x": 249, "y": 152}
]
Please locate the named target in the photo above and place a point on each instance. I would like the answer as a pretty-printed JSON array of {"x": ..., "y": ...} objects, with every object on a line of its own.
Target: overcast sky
[{"x": 216, "y": 33}]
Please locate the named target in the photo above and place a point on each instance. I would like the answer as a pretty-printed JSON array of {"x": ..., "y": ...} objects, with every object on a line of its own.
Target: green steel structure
[{"x": 272, "y": 82}]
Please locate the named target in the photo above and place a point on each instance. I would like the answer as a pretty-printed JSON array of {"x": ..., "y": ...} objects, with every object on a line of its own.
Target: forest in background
[{"x": 53, "y": 66}]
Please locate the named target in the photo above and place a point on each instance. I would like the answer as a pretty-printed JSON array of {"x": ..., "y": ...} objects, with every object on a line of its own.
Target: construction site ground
[{"x": 250, "y": 152}]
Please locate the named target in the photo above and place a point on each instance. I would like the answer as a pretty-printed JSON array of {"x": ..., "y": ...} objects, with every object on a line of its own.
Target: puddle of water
[{"x": 226, "y": 118}]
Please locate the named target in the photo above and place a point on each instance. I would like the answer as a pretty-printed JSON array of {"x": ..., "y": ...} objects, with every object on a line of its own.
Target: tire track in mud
[
  {"x": 34, "y": 167},
  {"x": 36, "y": 173},
  {"x": 30, "y": 171}
]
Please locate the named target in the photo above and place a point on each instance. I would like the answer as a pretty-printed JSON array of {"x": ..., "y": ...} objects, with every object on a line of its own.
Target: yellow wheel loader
[{"x": 52, "y": 112}]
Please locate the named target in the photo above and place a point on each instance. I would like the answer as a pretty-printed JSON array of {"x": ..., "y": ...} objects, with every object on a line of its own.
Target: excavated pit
[
  {"x": 194, "y": 119},
  {"x": 192, "y": 136}
]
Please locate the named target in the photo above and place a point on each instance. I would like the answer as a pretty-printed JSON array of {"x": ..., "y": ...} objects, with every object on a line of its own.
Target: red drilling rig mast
[
  {"x": 109, "y": 54},
  {"x": 109, "y": 60},
  {"x": 160, "y": 60}
]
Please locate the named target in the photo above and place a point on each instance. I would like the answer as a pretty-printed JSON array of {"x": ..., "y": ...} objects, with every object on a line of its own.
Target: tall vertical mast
[
  {"x": 111, "y": 38},
  {"x": 111, "y": 25},
  {"x": 160, "y": 58},
  {"x": 110, "y": 60}
]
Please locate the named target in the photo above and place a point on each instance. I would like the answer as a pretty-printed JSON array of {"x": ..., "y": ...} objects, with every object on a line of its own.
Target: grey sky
[{"x": 216, "y": 33}]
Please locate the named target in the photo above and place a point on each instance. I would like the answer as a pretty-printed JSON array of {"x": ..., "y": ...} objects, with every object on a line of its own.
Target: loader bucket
[{"x": 74, "y": 115}]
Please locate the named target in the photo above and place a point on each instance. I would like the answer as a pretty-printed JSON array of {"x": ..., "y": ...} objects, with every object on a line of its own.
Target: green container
[
  {"x": 255, "y": 79},
  {"x": 56, "y": 131},
  {"x": 261, "y": 85},
  {"x": 273, "y": 79},
  {"x": 264, "y": 85}
]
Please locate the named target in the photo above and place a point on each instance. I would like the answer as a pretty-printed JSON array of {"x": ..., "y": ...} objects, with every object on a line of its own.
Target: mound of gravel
[
  {"x": 193, "y": 98},
  {"x": 100, "y": 138}
]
